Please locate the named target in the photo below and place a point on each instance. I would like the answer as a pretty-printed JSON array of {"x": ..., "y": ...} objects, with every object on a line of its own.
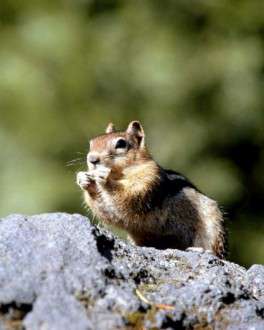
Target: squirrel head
[{"x": 118, "y": 150}]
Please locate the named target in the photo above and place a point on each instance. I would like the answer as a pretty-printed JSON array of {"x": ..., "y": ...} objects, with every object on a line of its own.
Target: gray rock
[{"x": 57, "y": 271}]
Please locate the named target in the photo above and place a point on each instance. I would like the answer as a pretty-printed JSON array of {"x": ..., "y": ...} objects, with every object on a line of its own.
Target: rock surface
[{"x": 57, "y": 271}]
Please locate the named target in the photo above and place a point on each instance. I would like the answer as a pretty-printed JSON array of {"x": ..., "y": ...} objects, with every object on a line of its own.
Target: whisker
[{"x": 76, "y": 161}]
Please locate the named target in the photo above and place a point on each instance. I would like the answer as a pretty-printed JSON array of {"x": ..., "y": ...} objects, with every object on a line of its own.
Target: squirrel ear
[
  {"x": 136, "y": 129},
  {"x": 110, "y": 128}
]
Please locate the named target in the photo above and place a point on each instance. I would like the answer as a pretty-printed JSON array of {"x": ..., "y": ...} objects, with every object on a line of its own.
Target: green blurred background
[{"x": 191, "y": 71}]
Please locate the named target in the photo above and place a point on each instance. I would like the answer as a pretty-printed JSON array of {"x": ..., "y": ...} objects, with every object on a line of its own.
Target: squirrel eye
[{"x": 121, "y": 144}]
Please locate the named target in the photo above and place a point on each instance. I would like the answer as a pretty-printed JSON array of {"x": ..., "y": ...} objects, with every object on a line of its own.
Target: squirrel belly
[{"x": 158, "y": 208}]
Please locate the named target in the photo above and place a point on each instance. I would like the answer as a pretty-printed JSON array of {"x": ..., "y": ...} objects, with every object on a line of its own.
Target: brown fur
[{"x": 133, "y": 197}]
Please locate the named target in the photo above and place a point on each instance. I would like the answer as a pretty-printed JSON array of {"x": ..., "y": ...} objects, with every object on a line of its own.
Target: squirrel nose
[{"x": 94, "y": 159}]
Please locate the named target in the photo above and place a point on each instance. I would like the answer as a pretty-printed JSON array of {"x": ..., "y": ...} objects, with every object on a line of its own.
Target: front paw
[
  {"x": 84, "y": 180},
  {"x": 100, "y": 175}
]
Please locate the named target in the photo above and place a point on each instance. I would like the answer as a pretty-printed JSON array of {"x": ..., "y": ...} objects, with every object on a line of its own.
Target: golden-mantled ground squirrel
[{"x": 161, "y": 208}]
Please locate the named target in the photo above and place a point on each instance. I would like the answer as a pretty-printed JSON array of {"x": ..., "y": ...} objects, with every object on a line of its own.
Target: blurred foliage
[{"x": 191, "y": 71}]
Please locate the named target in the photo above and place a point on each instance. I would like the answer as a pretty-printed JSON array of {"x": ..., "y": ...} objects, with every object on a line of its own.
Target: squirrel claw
[
  {"x": 100, "y": 175},
  {"x": 84, "y": 180}
]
